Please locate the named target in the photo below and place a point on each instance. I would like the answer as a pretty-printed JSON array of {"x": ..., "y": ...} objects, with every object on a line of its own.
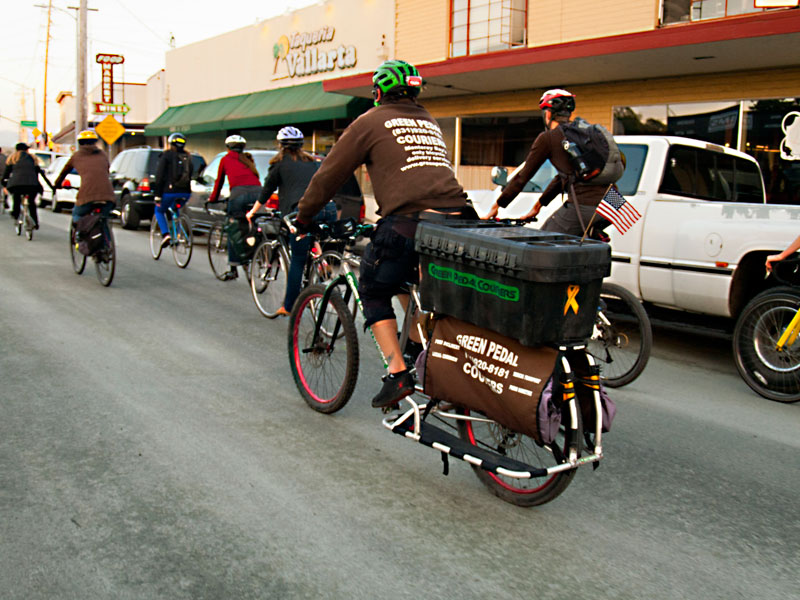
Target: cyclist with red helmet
[
  {"x": 412, "y": 177},
  {"x": 557, "y": 107},
  {"x": 240, "y": 169}
]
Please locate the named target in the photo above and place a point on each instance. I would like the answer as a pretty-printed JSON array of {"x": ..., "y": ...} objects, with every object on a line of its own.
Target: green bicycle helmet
[{"x": 396, "y": 76}]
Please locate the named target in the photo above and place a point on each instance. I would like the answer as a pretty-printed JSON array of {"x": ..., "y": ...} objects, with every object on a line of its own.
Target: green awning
[
  {"x": 198, "y": 117},
  {"x": 298, "y": 104}
]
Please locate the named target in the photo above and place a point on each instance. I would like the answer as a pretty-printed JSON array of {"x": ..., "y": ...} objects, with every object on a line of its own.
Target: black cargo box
[{"x": 535, "y": 286}]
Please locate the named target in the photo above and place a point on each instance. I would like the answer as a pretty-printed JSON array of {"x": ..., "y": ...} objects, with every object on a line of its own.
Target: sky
[{"x": 140, "y": 30}]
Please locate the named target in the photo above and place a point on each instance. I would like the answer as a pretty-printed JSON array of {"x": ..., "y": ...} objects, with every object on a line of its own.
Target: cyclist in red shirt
[{"x": 240, "y": 169}]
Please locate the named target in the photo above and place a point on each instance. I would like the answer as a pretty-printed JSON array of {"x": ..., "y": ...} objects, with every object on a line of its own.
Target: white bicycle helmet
[
  {"x": 235, "y": 141},
  {"x": 289, "y": 136}
]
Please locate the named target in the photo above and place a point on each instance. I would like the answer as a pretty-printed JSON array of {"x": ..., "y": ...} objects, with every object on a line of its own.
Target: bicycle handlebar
[{"x": 792, "y": 265}]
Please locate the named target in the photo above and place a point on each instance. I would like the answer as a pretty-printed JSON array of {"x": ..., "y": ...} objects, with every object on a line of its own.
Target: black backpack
[
  {"x": 182, "y": 175},
  {"x": 594, "y": 155}
]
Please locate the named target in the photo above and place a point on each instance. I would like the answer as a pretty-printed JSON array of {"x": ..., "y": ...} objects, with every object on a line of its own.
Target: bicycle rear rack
[{"x": 411, "y": 425}]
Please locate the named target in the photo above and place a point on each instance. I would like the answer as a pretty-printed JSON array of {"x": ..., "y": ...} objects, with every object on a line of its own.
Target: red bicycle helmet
[{"x": 561, "y": 102}]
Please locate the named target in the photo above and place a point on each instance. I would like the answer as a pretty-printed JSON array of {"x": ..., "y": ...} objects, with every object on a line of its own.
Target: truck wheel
[{"x": 129, "y": 215}]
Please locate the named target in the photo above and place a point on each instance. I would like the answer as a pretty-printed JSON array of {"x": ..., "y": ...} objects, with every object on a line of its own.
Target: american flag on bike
[{"x": 617, "y": 210}]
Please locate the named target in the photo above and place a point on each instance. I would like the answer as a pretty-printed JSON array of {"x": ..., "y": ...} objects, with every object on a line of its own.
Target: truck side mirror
[{"x": 500, "y": 176}]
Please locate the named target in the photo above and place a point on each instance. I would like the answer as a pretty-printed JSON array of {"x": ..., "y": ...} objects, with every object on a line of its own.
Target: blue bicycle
[{"x": 180, "y": 233}]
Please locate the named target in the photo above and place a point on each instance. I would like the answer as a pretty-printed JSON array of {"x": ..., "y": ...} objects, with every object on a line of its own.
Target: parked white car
[{"x": 63, "y": 198}]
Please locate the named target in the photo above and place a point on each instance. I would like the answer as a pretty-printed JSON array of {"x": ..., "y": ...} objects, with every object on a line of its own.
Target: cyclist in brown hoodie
[
  {"x": 91, "y": 163},
  {"x": 406, "y": 157}
]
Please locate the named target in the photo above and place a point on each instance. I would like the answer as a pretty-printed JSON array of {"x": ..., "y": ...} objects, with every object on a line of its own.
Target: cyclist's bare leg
[{"x": 385, "y": 333}]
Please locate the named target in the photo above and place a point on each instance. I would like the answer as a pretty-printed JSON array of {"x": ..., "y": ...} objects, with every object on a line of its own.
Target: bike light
[
  {"x": 273, "y": 202},
  {"x": 362, "y": 212},
  {"x": 144, "y": 185},
  {"x": 66, "y": 184}
]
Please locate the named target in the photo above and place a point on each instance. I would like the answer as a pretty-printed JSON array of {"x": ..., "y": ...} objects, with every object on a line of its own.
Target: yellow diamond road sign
[{"x": 109, "y": 129}]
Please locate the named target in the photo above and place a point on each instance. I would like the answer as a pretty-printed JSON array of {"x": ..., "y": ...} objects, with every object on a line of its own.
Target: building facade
[
  {"x": 725, "y": 71},
  {"x": 257, "y": 79}
]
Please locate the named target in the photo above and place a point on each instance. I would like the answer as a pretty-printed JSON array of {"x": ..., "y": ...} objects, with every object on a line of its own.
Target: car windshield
[
  {"x": 541, "y": 178},
  {"x": 634, "y": 163}
]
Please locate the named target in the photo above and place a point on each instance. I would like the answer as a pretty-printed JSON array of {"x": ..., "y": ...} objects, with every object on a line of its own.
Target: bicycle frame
[{"x": 789, "y": 336}]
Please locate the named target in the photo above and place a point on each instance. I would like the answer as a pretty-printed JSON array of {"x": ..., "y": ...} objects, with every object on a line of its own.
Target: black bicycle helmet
[{"x": 177, "y": 139}]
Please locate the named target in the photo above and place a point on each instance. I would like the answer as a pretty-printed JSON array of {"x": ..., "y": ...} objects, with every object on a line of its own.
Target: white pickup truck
[{"x": 705, "y": 228}]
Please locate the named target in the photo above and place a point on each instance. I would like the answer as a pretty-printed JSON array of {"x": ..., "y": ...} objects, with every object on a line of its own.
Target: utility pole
[
  {"x": 46, "y": 59},
  {"x": 80, "y": 92}
]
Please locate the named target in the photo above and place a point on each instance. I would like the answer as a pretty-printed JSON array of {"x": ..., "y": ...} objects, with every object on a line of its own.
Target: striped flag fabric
[{"x": 616, "y": 209}]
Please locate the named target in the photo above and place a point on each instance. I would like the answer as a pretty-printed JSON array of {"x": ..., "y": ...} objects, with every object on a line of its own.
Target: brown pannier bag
[{"x": 487, "y": 372}]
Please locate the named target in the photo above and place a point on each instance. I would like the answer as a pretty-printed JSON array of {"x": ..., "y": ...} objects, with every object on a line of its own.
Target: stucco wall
[{"x": 243, "y": 61}]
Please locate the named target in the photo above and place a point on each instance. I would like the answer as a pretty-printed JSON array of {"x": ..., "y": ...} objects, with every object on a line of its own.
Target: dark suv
[{"x": 133, "y": 173}]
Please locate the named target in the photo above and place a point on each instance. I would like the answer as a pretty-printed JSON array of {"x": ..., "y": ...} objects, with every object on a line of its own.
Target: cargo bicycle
[
  {"x": 765, "y": 344},
  {"x": 180, "y": 231},
  {"x": 515, "y": 466}
]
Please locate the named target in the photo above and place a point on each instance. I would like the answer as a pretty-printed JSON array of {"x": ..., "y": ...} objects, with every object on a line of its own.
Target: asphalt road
[{"x": 152, "y": 445}]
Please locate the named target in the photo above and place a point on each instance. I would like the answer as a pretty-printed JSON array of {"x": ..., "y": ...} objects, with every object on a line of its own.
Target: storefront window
[
  {"x": 760, "y": 135},
  {"x": 481, "y": 26},
  {"x": 491, "y": 141},
  {"x": 681, "y": 11}
]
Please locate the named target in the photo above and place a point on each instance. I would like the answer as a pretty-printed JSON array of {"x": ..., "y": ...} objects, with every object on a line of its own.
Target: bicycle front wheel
[
  {"x": 324, "y": 371},
  {"x": 182, "y": 244},
  {"x": 78, "y": 259},
  {"x": 155, "y": 239},
  {"x": 490, "y": 435},
  {"x": 268, "y": 271},
  {"x": 770, "y": 372},
  {"x": 218, "y": 251},
  {"x": 622, "y": 337},
  {"x": 106, "y": 261}
]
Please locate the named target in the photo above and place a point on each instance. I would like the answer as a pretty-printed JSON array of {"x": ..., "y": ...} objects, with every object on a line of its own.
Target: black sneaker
[
  {"x": 396, "y": 386},
  {"x": 230, "y": 275}
]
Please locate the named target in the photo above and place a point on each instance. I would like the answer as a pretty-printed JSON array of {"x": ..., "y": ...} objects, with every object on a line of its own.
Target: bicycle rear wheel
[
  {"x": 268, "y": 272},
  {"x": 78, "y": 259},
  {"x": 498, "y": 438},
  {"x": 326, "y": 372},
  {"x": 182, "y": 242},
  {"x": 29, "y": 227},
  {"x": 155, "y": 239},
  {"x": 622, "y": 336},
  {"x": 18, "y": 224},
  {"x": 106, "y": 261},
  {"x": 771, "y": 373},
  {"x": 218, "y": 251}
]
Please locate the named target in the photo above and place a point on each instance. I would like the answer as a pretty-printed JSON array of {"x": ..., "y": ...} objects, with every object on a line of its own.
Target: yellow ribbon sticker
[{"x": 572, "y": 292}]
